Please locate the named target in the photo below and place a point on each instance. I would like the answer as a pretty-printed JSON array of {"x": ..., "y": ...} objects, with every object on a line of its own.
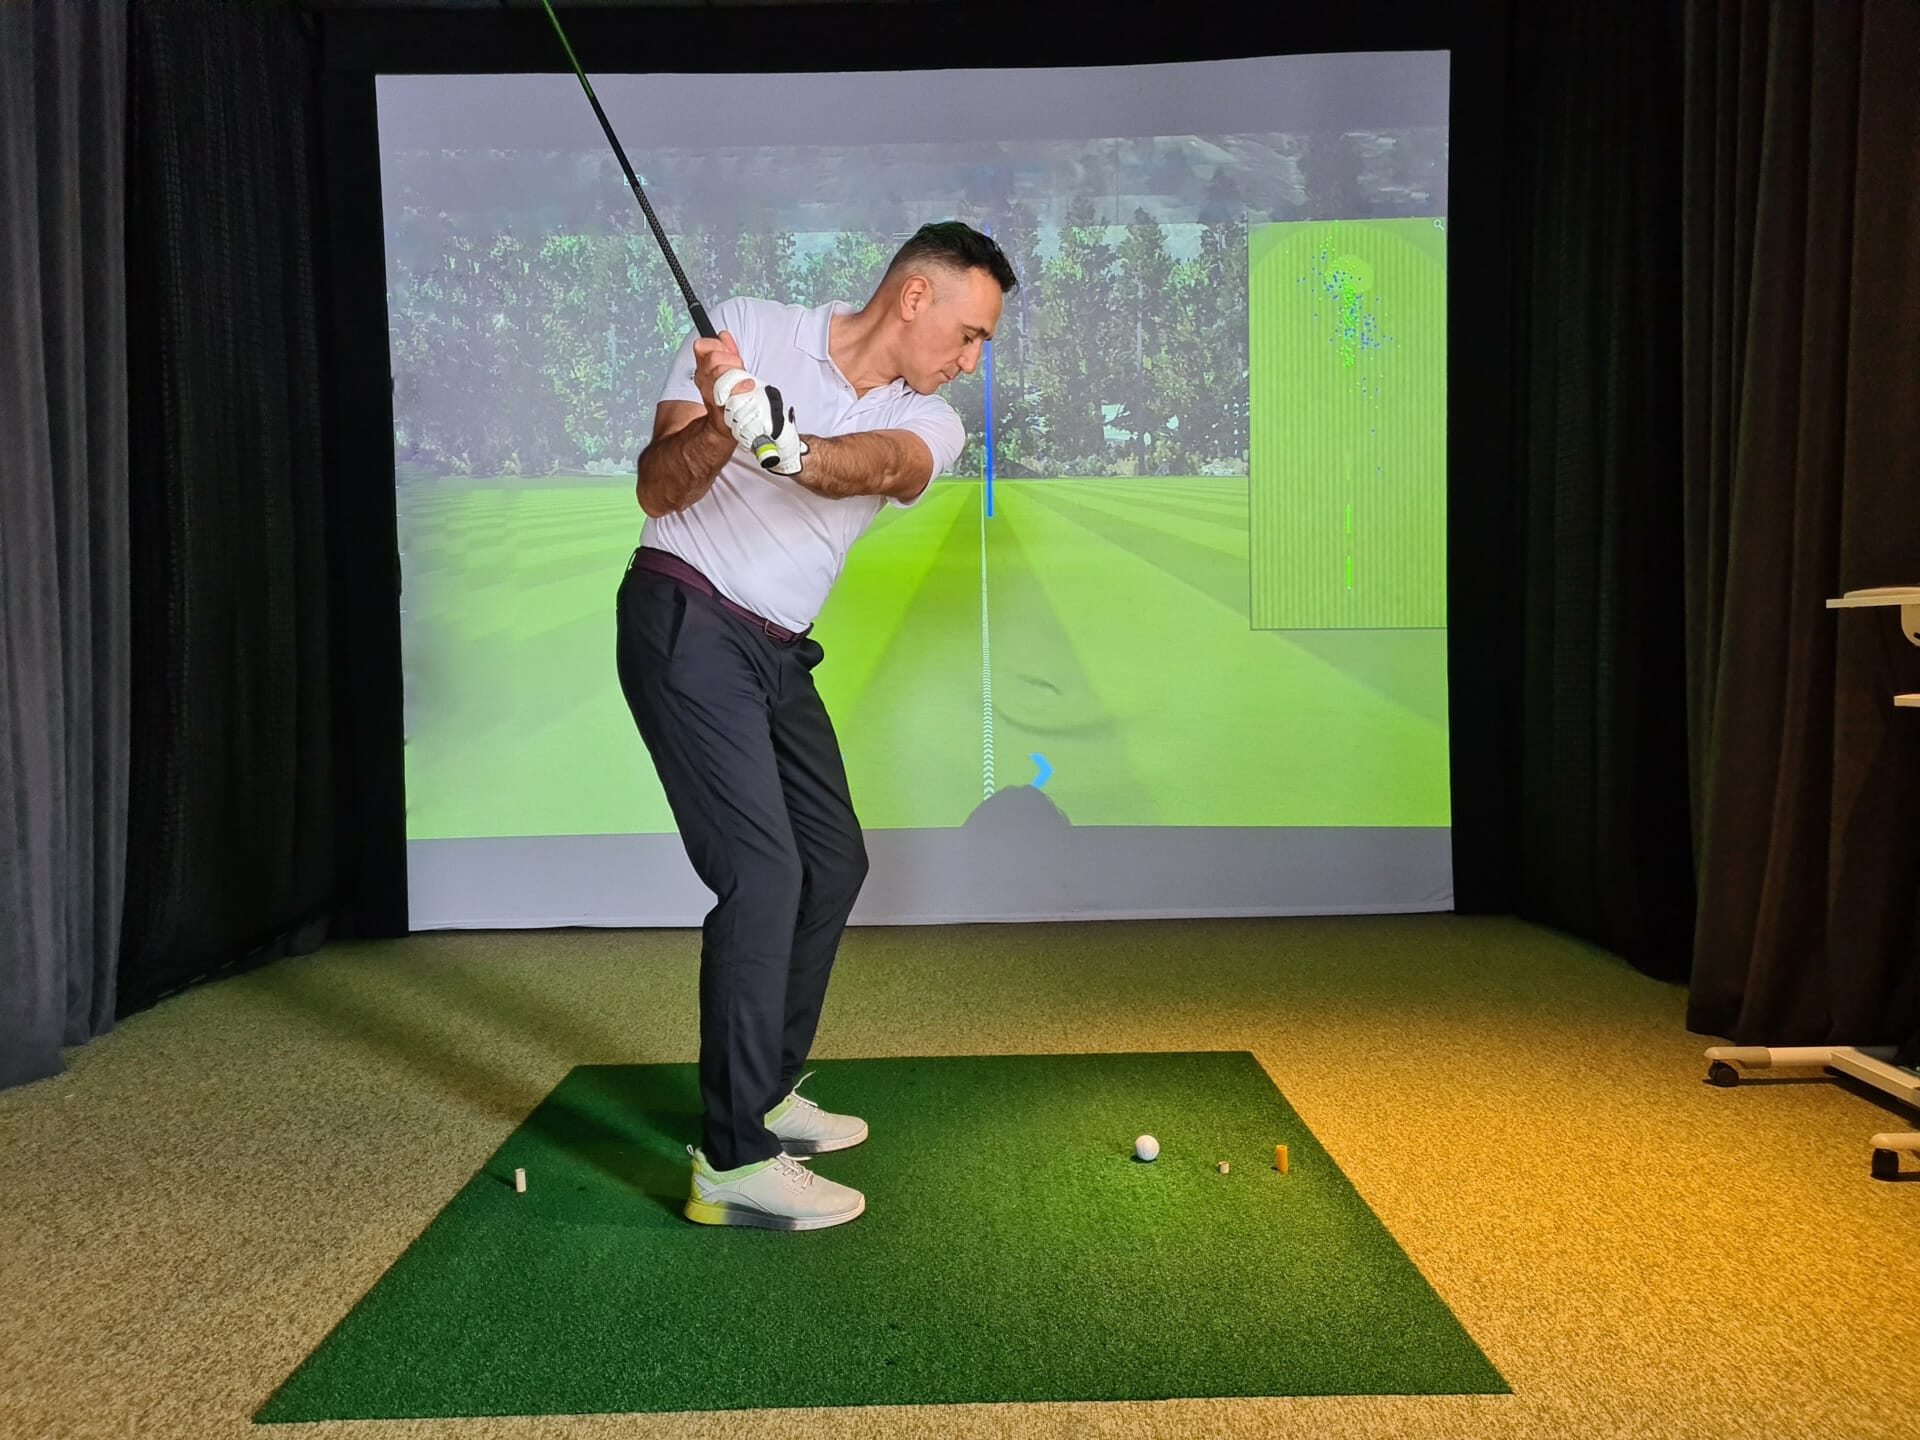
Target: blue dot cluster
[{"x": 1352, "y": 332}]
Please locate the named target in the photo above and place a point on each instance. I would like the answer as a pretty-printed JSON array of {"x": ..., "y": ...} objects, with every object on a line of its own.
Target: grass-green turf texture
[
  {"x": 1121, "y": 652},
  {"x": 1348, "y": 405},
  {"x": 1012, "y": 1250}
]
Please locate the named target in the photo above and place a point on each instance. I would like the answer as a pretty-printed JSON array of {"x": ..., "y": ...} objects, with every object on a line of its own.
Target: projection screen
[{"x": 1171, "y": 639}]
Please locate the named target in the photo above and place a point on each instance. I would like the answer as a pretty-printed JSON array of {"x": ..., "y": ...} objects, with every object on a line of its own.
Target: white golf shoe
[
  {"x": 803, "y": 1128},
  {"x": 776, "y": 1194}
]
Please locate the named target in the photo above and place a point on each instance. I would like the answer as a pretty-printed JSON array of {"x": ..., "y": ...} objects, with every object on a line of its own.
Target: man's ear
[{"x": 916, "y": 294}]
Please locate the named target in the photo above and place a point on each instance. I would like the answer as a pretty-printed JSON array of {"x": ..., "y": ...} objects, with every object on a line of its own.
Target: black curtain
[
  {"x": 1717, "y": 399},
  {"x": 1801, "y": 249},
  {"x": 232, "y": 814},
  {"x": 64, "y": 606},
  {"x": 1590, "y": 684}
]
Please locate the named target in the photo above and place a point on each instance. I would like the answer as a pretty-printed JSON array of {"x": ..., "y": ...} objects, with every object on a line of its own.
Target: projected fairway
[{"x": 1115, "y": 618}]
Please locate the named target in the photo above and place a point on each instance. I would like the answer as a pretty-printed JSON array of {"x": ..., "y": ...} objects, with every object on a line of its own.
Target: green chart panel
[{"x": 1348, "y": 347}]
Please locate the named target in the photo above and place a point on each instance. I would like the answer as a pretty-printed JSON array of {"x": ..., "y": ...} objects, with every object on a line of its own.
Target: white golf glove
[{"x": 759, "y": 423}]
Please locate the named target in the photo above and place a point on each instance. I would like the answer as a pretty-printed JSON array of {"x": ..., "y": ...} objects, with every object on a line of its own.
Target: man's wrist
[
  {"x": 676, "y": 471},
  {"x": 709, "y": 442},
  {"x": 822, "y": 472}
]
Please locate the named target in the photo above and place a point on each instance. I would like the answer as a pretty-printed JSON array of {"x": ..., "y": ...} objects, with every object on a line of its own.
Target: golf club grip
[{"x": 694, "y": 307}]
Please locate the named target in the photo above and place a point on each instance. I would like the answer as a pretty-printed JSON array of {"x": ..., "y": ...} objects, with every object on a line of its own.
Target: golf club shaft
[{"x": 694, "y": 307}]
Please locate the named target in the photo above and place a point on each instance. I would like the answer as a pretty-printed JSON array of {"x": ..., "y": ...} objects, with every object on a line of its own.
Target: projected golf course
[{"x": 1259, "y": 650}]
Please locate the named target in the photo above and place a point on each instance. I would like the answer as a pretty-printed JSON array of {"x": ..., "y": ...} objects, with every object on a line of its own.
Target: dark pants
[{"x": 751, "y": 767}]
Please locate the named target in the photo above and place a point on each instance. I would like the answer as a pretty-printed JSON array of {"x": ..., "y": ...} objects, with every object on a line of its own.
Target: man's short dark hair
[{"x": 952, "y": 242}]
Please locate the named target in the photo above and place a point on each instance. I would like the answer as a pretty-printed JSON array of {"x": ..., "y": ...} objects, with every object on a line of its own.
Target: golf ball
[{"x": 1146, "y": 1148}]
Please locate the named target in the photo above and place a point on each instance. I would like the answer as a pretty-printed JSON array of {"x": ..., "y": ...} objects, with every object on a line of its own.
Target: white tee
[{"x": 763, "y": 540}]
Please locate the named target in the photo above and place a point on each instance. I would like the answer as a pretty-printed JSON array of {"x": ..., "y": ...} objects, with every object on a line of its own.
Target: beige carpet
[{"x": 188, "y": 1211}]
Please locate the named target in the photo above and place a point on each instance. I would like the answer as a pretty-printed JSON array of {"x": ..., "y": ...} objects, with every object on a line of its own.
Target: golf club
[
  {"x": 694, "y": 307},
  {"x": 762, "y": 447}
]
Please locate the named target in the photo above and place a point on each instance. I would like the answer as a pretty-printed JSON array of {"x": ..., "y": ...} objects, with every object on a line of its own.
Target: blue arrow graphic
[{"x": 1046, "y": 771}]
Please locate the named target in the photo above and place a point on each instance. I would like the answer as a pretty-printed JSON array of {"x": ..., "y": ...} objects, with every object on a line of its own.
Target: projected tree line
[{"x": 530, "y": 354}]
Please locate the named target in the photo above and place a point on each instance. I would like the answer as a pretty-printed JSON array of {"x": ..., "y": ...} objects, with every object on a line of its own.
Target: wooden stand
[{"x": 1727, "y": 1063}]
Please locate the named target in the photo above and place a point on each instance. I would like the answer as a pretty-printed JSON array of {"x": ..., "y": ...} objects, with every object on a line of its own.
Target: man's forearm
[
  {"x": 874, "y": 462},
  {"x": 678, "y": 469}
]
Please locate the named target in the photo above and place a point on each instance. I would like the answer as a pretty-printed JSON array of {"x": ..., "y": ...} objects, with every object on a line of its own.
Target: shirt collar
[
  {"x": 814, "y": 332},
  {"x": 815, "y": 327}
]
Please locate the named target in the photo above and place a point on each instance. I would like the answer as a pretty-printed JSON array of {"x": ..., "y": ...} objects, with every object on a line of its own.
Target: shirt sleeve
[{"x": 935, "y": 422}]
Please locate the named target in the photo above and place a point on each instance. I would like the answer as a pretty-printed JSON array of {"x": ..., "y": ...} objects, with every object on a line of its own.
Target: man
[{"x": 734, "y": 564}]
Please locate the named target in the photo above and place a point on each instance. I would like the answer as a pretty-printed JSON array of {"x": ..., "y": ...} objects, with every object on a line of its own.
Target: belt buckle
[{"x": 776, "y": 632}]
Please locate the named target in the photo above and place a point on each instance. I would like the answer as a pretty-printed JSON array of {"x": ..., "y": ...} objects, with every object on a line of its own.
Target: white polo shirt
[{"x": 766, "y": 542}]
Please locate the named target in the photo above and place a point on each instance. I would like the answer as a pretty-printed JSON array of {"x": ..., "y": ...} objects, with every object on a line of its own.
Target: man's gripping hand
[
  {"x": 756, "y": 419},
  {"x": 737, "y": 406}
]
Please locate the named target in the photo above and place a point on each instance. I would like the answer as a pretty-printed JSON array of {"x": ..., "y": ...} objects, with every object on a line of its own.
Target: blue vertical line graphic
[
  {"x": 988, "y": 367},
  {"x": 986, "y": 673},
  {"x": 987, "y": 386}
]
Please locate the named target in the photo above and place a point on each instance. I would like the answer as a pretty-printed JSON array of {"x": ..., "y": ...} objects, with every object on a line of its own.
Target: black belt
[{"x": 660, "y": 562}]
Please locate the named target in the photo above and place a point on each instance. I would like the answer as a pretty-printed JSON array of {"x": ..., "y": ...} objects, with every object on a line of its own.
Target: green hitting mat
[{"x": 1012, "y": 1249}]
